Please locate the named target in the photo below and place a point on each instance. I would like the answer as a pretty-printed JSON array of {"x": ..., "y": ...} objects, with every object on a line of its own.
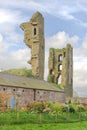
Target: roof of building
[{"x": 25, "y": 82}]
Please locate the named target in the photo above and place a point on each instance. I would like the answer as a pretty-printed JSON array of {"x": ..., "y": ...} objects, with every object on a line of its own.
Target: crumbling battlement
[
  {"x": 61, "y": 68},
  {"x": 34, "y": 39}
]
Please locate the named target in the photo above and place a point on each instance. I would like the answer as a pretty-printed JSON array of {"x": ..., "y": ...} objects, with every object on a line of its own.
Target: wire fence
[{"x": 21, "y": 117}]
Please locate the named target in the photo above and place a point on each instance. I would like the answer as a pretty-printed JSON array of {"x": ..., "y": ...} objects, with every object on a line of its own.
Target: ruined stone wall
[
  {"x": 43, "y": 95},
  {"x": 34, "y": 39},
  {"x": 82, "y": 100},
  {"x": 18, "y": 96},
  {"x": 61, "y": 68},
  {"x": 22, "y": 96}
]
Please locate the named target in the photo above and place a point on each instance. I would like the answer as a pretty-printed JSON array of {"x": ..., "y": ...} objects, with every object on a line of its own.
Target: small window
[
  {"x": 60, "y": 57},
  {"x": 13, "y": 89},
  {"x": 38, "y": 92},
  {"x": 51, "y": 72},
  {"x": 23, "y": 90},
  {"x": 59, "y": 67},
  {"x": 44, "y": 92},
  {"x": 3, "y": 89},
  {"x": 34, "y": 31}
]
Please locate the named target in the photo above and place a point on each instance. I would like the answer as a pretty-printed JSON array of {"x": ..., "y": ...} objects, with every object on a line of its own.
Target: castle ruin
[
  {"x": 60, "y": 60},
  {"x": 61, "y": 68},
  {"x": 34, "y": 39}
]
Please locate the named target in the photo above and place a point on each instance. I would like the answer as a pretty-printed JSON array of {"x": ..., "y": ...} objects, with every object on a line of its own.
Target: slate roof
[{"x": 24, "y": 82}]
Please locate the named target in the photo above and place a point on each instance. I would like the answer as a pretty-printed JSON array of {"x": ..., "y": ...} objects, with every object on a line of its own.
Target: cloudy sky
[{"x": 65, "y": 22}]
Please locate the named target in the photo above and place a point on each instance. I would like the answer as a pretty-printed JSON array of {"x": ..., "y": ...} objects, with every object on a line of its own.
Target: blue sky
[{"x": 65, "y": 22}]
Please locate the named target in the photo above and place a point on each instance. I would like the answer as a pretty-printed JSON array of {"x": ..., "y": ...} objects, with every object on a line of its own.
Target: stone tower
[
  {"x": 61, "y": 68},
  {"x": 34, "y": 39}
]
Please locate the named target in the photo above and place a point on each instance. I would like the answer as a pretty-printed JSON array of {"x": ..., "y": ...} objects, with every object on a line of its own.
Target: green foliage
[
  {"x": 50, "y": 78},
  {"x": 65, "y": 108},
  {"x": 81, "y": 108},
  {"x": 10, "y": 117},
  {"x": 50, "y": 126},
  {"x": 39, "y": 107},
  {"x": 36, "y": 107},
  {"x": 58, "y": 85},
  {"x": 69, "y": 102},
  {"x": 57, "y": 107},
  {"x": 72, "y": 108},
  {"x": 21, "y": 71},
  {"x": 49, "y": 104}
]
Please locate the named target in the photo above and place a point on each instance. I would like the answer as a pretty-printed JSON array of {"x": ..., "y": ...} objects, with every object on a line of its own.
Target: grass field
[
  {"x": 24, "y": 117},
  {"x": 56, "y": 126}
]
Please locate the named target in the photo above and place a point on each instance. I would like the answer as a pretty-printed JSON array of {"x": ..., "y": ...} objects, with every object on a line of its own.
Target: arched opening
[
  {"x": 59, "y": 79},
  {"x": 51, "y": 72},
  {"x": 59, "y": 67},
  {"x": 35, "y": 31},
  {"x": 60, "y": 57}
]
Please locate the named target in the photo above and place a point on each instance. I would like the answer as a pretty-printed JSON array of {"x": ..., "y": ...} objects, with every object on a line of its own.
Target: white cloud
[
  {"x": 8, "y": 22},
  {"x": 17, "y": 59},
  {"x": 60, "y": 40},
  {"x": 3, "y": 46},
  {"x": 63, "y": 9},
  {"x": 21, "y": 54},
  {"x": 14, "y": 11},
  {"x": 1, "y": 38},
  {"x": 10, "y": 16},
  {"x": 5, "y": 16},
  {"x": 80, "y": 68},
  {"x": 13, "y": 59},
  {"x": 81, "y": 51}
]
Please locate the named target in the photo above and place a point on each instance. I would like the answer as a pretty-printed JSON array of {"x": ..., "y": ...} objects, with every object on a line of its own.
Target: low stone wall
[{"x": 22, "y": 96}]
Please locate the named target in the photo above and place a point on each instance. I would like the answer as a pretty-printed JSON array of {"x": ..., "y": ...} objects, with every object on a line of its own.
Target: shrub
[
  {"x": 72, "y": 108},
  {"x": 39, "y": 107},
  {"x": 30, "y": 106},
  {"x": 57, "y": 107},
  {"x": 50, "y": 78},
  {"x": 49, "y": 104},
  {"x": 65, "y": 108},
  {"x": 36, "y": 106},
  {"x": 81, "y": 108}
]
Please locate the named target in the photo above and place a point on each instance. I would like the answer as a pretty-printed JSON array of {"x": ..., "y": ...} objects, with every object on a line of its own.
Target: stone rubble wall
[{"x": 23, "y": 96}]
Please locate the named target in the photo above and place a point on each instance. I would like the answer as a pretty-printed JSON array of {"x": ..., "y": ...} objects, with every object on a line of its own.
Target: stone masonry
[
  {"x": 61, "y": 68},
  {"x": 34, "y": 39},
  {"x": 22, "y": 96}
]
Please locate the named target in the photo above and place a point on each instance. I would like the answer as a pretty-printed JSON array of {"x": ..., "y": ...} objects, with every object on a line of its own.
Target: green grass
[
  {"x": 33, "y": 121},
  {"x": 56, "y": 126},
  {"x": 25, "y": 117},
  {"x": 20, "y": 71}
]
